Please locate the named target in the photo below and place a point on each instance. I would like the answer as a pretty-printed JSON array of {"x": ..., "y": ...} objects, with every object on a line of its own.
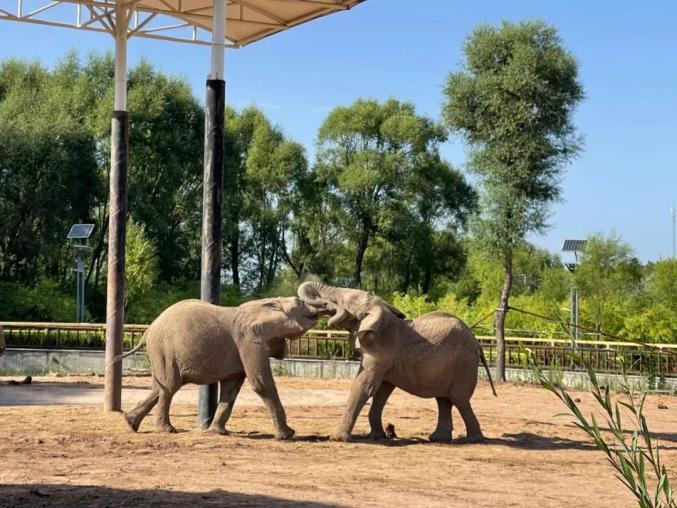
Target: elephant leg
[
  {"x": 257, "y": 367},
  {"x": 162, "y": 423},
  {"x": 473, "y": 431},
  {"x": 228, "y": 391},
  {"x": 366, "y": 384},
  {"x": 136, "y": 415},
  {"x": 444, "y": 426},
  {"x": 376, "y": 411}
]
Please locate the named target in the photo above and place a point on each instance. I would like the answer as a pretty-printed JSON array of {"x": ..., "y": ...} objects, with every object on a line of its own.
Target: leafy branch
[{"x": 635, "y": 459}]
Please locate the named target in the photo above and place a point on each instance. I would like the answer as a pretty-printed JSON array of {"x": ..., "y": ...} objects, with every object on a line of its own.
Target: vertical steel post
[
  {"x": 80, "y": 291},
  {"x": 574, "y": 314},
  {"x": 117, "y": 218},
  {"x": 212, "y": 195},
  {"x": 674, "y": 221}
]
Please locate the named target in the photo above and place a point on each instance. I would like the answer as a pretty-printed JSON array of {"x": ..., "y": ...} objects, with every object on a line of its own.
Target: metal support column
[
  {"x": 80, "y": 287},
  {"x": 574, "y": 314},
  {"x": 117, "y": 220},
  {"x": 212, "y": 195}
]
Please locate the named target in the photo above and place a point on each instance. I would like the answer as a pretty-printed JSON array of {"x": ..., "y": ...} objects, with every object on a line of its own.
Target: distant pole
[
  {"x": 212, "y": 190},
  {"x": 672, "y": 211},
  {"x": 79, "y": 279}
]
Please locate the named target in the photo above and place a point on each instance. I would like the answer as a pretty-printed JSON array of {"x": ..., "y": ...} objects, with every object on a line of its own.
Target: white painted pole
[
  {"x": 218, "y": 39},
  {"x": 121, "y": 60}
]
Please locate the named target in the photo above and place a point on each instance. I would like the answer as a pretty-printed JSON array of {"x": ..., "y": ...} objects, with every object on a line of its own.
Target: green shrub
[{"x": 637, "y": 459}]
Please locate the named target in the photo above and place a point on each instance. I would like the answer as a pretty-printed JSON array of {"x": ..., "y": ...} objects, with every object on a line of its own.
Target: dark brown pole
[
  {"x": 115, "y": 295},
  {"x": 212, "y": 221}
]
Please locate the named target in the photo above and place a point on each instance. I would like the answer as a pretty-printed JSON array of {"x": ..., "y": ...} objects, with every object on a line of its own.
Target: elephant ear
[
  {"x": 371, "y": 322},
  {"x": 395, "y": 310}
]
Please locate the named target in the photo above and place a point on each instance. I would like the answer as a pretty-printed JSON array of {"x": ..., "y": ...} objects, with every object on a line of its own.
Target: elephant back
[{"x": 439, "y": 327}]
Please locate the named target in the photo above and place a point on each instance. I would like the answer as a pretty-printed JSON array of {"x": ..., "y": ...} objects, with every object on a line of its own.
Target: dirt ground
[{"x": 72, "y": 454}]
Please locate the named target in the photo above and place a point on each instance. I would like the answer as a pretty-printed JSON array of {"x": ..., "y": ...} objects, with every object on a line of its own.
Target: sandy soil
[{"x": 72, "y": 454}]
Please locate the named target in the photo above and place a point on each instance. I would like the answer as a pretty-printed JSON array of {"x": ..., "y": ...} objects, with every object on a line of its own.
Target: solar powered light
[
  {"x": 574, "y": 246},
  {"x": 79, "y": 234}
]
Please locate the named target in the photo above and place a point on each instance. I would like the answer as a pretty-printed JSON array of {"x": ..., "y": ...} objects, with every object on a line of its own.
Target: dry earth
[{"x": 70, "y": 453}]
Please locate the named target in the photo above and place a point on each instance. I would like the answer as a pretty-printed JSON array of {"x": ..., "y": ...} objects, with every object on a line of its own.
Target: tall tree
[
  {"x": 512, "y": 101},
  {"x": 264, "y": 172},
  {"x": 48, "y": 170},
  {"x": 377, "y": 161},
  {"x": 165, "y": 176}
]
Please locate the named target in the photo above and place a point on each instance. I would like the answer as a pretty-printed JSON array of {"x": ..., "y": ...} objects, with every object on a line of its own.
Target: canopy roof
[{"x": 247, "y": 20}]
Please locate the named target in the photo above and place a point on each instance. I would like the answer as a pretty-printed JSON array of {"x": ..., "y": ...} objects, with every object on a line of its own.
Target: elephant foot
[
  {"x": 132, "y": 422},
  {"x": 221, "y": 431},
  {"x": 377, "y": 435},
  {"x": 284, "y": 434},
  {"x": 166, "y": 427},
  {"x": 343, "y": 437},
  {"x": 440, "y": 436},
  {"x": 472, "y": 438}
]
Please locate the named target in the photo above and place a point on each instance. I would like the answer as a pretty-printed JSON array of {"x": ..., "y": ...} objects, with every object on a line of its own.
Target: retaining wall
[{"x": 35, "y": 362}]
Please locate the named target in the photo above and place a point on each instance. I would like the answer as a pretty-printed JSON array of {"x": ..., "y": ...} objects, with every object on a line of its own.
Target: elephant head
[
  {"x": 356, "y": 310},
  {"x": 273, "y": 319}
]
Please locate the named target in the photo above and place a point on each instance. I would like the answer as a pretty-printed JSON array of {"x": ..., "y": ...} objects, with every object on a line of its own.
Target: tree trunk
[
  {"x": 427, "y": 280},
  {"x": 501, "y": 313},
  {"x": 361, "y": 248},
  {"x": 234, "y": 246}
]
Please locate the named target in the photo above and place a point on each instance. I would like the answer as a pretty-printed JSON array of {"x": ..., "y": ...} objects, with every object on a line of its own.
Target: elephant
[
  {"x": 435, "y": 355},
  {"x": 196, "y": 342}
]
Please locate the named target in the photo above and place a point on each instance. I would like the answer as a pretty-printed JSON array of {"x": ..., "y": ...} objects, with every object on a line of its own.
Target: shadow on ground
[
  {"x": 529, "y": 441},
  {"x": 76, "y": 496}
]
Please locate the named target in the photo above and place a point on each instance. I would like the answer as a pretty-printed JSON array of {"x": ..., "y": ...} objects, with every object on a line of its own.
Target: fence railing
[
  {"x": 66, "y": 335},
  {"x": 604, "y": 356}
]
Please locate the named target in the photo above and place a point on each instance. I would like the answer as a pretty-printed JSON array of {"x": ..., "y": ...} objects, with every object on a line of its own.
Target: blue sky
[{"x": 625, "y": 181}]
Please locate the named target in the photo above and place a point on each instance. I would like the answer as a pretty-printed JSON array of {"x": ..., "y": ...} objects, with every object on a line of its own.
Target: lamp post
[
  {"x": 574, "y": 246},
  {"x": 79, "y": 235}
]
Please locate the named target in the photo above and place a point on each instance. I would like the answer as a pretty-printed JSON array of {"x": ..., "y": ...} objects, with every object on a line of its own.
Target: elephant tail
[
  {"x": 486, "y": 368},
  {"x": 128, "y": 353}
]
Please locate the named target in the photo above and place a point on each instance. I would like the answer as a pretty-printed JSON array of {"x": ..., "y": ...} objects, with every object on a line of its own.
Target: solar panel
[
  {"x": 574, "y": 245},
  {"x": 80, "y": 231}
]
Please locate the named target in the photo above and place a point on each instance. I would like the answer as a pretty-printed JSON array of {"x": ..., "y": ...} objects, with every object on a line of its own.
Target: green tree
[
  {"x": 263, "y": 176},
  {"x": 607, "y": 275},
  {"x": 141, "y": 264},
  {"x": 512, "y": 101},
  {"x": 48, "y": 170},
  {"x": 165, "y": 177},
  {"x": 383, "y": 175}
]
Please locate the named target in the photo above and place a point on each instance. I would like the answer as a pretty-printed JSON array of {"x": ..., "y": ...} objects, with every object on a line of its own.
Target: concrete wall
[{"x": 34, "y": 362}]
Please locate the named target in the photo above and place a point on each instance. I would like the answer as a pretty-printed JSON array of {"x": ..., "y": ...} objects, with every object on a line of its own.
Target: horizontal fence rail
[{"x": 604, "y": 356}]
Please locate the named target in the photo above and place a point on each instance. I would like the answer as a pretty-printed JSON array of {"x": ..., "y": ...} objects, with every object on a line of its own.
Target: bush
[
  {"x": 635, "y": 460},
  {"x": 45, "y": 301}
]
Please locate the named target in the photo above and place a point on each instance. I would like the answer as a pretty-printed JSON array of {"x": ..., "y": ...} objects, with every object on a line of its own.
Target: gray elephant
[
  {"x": 196, "y": 342},
  {"x": 435, "y": 355}
]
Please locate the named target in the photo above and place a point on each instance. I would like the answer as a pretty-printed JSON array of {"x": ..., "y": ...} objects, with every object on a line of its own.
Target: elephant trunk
[
  {"x": 318, "y": 294},
  {"x": 341, "y": 314},
  {"x": 310, "y": 293},
  {"x": 322, "y": 296}
]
